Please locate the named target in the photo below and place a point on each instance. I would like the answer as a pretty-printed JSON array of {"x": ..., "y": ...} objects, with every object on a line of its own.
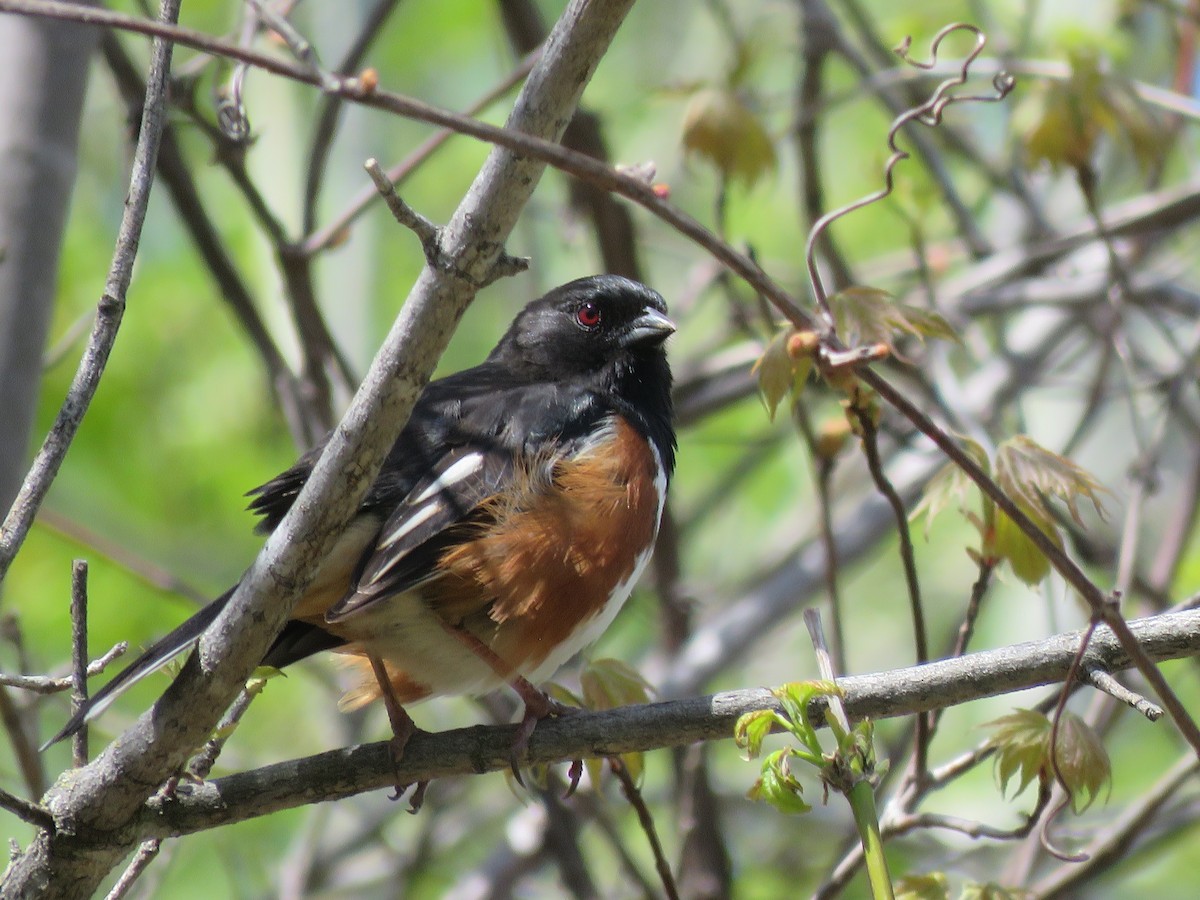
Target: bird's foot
[
  {"x": 538, "y": 706},
  {"x": 403, "y": 728}
]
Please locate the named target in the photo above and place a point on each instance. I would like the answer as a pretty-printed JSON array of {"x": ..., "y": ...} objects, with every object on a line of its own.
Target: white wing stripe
[
  {"x": 463, "y": 468},
  {"x": 408, "y": 525}
]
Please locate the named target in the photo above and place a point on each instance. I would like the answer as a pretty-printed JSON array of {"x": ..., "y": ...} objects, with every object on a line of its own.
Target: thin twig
[
  {"x": 44, "y": 684},
  {"x": 968, "y": 827},
  {"x": 79, "y": 656},
  {"x": 646, "y": 820},
  {"x": 978, "y": 590},
  {"x": 870, "y": 444},
  {"x": 1077, "y": 666},
  {"x": 820, "y": 38},
  {"x": 429, "y": 234},
  {"x": 823, "y": 466},
  {"x": 331, "y": 107},
  {"x": 145, "y": 855},
  {"x": 27, "y": 811},
  {"x": 23, "y": 748},
  {"x": 1103, "y": 681},
  {"x": 110, "y": 310},
  {"x": 300, "y": 46},
  {"x": 201, "y": 764},
  {"x": 928, "y": 113},
  {"x": 598, "y": 812},
  {"x": 1063, "y": 564},
  {"x": 1064, "y": 803},
  {"x": 1113, "y": 843},
  {"x": 966, "y": 629},
  {"x": 812, "y": 621},
  {"x": 331, "y": 233}
]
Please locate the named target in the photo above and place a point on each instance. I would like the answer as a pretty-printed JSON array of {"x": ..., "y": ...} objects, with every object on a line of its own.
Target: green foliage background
[{"x": 184, "y": 423}]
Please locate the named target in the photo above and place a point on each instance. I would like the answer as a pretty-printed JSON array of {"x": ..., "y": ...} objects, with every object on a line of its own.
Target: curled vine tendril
[
  {"x": 928, "y": 113},
  {"x": 231, "y": 110}
]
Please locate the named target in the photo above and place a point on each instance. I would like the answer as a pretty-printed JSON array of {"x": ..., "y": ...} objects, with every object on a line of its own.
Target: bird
[{"x": 507, "y": 526}]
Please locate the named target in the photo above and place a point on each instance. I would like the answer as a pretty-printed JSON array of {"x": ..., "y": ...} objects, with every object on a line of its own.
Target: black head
[
  {"x": 603, "y": 334},
  {"x": 585, "y": 327}
]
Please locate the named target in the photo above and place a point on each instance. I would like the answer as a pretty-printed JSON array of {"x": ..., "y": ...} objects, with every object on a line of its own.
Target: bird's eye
[{"x": 588, "y": 315}]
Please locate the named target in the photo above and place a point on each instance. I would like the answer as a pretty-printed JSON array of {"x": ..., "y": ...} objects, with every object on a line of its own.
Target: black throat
[{"x": 639, "y": 383}]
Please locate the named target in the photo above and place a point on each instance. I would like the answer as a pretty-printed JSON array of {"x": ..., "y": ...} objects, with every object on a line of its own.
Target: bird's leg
[
  {"x": 403, "y": 728},
  {"x": 538, "y": 704}
]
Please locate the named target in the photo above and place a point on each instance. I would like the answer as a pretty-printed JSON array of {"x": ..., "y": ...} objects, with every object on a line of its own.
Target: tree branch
[
  {"x": 108, "y": 317},
  {"x": 900, "y": 692},
  {"x": 104, "y": 795}
]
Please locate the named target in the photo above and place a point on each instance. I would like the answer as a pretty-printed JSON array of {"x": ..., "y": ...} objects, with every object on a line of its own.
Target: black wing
[{"x": 492, "y": 440}]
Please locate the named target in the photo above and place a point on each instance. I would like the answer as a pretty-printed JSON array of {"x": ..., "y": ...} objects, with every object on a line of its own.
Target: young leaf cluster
[{"x": 1031, "y": 475}]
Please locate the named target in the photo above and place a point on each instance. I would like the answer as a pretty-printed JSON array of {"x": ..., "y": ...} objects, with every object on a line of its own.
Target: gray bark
[{"x": 94, "y": 807}]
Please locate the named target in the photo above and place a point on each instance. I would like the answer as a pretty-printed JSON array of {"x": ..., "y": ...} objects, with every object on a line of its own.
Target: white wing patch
[
  {"x": 459, "y": 470},
  {"x": 430, "y": 501},
  {"x": 409, "y": 524}
]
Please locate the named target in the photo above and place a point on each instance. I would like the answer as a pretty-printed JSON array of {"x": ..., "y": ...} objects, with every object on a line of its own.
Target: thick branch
[{"x": 100, "y": 798}]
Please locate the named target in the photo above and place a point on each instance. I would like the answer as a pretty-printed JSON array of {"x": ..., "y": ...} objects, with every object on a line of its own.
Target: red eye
[{"x": 588, "y": 315}]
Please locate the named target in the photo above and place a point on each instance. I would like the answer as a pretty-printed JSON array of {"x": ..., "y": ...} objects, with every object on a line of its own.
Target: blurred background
[{"x": 1053, "y": 231}]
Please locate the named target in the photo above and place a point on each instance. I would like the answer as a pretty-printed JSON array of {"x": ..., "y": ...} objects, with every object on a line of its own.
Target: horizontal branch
[
  {"x": 47, "y": 684},
  {"x": 354, "y": 770}
]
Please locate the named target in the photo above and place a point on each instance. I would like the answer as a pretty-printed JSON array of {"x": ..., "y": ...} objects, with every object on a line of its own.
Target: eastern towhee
[{"x": 507, "y": 526}]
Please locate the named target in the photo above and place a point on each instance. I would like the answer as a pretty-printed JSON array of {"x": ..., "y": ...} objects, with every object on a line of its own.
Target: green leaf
[
  {"x": 595, "y": 769},
  {"x": 636, "y": 764},
  {"x": 931, "y": 886},
  {"x": 563, "y": 694},
  {"x": 951, "y": 485},
  {"x": 1009, "y": 542},
  {"x": 752, "y": 729},
  {"x": 795, "y": 698},
  {"x": 609, "y": 683},
  {"x": 1021, "y": 741},
  {"x": 266, "y": 673},
  {"x": 1029, "y": 473},
  {"x": 606, "y": 684},
  {"x": 778, "y": 786},
  {"x": 865, "y": 315},
  {"x": 1063, "y": 122},
  {"x": 1082, "y": 760},
  {"x": 928, "y": 323},
  {"x": 858, "y": 746},
  {"x": 990, "y": 891},
  {"x": 719, "y": 126},
  {"x": 780, "y": 371}
]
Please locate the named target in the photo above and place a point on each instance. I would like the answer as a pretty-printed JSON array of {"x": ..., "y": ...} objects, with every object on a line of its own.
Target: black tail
[{"x": 152, "y": 659}]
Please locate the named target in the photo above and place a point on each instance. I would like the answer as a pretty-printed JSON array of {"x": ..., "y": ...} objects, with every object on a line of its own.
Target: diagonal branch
[
  {"x": 104, "y": 795},
  {"x": 108, "y": 316}
]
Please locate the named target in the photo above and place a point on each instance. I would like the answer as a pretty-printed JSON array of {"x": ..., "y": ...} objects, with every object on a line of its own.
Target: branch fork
[{"x": 430, "y": 235}]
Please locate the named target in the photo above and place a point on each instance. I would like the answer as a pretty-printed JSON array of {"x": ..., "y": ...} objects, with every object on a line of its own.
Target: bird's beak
[{"x": 650, "y": 327}]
